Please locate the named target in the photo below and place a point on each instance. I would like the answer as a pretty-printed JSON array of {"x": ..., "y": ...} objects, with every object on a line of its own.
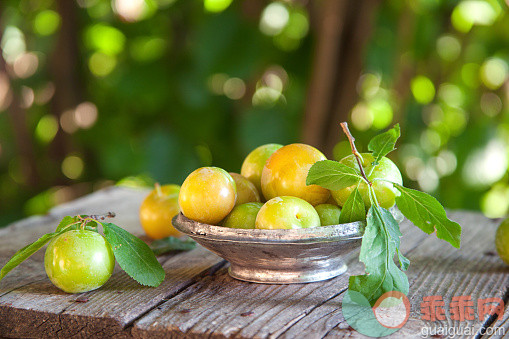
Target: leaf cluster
[{"x": 381, "y": 240}]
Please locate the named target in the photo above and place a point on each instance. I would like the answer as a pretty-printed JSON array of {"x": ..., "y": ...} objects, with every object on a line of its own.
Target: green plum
[
  {"x": 384, "y": 191},
  {"x": 328, "y": 213},
  {"x": 502, "y": 240},
  {"x": 246, "y": 190},
  {"x": 287, "y": 213},
  {"x": 79, "y": 261},
  {"x": 252, "y": 166},
  {"x": 243, "y": 216}
]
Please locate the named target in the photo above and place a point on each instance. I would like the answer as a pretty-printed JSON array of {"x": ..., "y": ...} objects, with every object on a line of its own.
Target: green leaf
[
  {"x": 65, "y": 222},
  {"x": 26, "y": 252},
  {"x": 332, "y": 175},
  {"x": 384, "y": 143},
  {"x": 377, "y": 252},
  {"x": 425, "y": 212},
  {"x": 171, "y": 244},
  {"x": 134, "y": 256},
  {"x": 353, "y": 208},
  {"x": 395, "y": 235}
]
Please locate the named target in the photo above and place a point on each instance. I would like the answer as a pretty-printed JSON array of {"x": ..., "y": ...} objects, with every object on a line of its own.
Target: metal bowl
[{"x": 278, "y": 256}]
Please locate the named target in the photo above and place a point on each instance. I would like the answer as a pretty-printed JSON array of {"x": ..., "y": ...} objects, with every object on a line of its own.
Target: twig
[
  {"x": 103, "y": 216},
  {"x": 357, "y": 155},
  {"x": 158, "y": 189}
]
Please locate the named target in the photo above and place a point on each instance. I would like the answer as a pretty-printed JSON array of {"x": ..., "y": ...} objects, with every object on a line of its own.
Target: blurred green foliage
[{"x": 171, "y": 85}]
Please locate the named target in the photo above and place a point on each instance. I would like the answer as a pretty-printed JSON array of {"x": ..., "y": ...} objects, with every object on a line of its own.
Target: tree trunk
[
  {"x": 23, "y": 139},
  {"x": 65, "y": 72},
  {"x": 342, "y": 35},
  {"x": 330, "y": 18}
]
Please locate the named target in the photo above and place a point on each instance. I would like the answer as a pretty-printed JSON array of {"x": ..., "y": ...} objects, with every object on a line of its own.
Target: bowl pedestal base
[{"x": 268, "y": 276}]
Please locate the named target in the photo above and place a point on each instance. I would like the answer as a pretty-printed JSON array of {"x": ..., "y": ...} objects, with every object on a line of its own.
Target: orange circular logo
[{"x": 392, "y": 309}]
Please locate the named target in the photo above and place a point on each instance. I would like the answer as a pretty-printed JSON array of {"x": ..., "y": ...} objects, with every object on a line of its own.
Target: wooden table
[{"x": 198, "y": 298}]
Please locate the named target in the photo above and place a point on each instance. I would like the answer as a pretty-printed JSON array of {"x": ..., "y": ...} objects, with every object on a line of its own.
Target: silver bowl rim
[{"x": 333, "y": 233}]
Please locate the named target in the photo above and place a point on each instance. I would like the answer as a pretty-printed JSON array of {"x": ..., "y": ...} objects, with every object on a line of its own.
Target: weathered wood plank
[
  {"x": 438, "y": 269},
  {"x": 313, "y": 310},
  {"x": 197, "y": 301},
  {"x": 35, "y": 307},
  {"x": 473, "y": 270},
  {"x": 494, "y": 327},
  {"x": 109, "y": 310},
  {"x": 223, "y": 307}
]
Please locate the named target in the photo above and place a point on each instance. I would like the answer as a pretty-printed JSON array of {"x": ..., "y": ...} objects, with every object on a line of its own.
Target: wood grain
[
  {"x": 37, "y": 308},
  {"x": 198, "y": 298},
  {"x": 219, "y": 302}
]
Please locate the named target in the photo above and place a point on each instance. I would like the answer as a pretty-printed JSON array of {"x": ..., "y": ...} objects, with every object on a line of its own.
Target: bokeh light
[
  {"x": 428, "y": 179},
  {"x": 216, "y": 6},
  {"x": 265, "y": 96},
  {"x": 234, "y": 88},
  {"x": 474, "y": 12},
  {"x": 46, "y": 128},
  {"x": 361, "y": 117},
  {"x": 72, "y": 166},
  {"x": 369, "y": 85},
  {"x": 5, "y": 91},
  {"x": 130, "y": 10},
  {"x": 27, "y": 97},
  {"x": 445, "y": 163},
  {"x": 448, "y": 47},
  {"x": 13, "y": 44},
  {"x": 44, "y": 94},
  {"x": 147, "y": 49},
  {"x": 381, "y": 111},
  {"x": 298, "y": 25},
  {"x": 216, "y": 83},
  {"x": 269, "y": 90},
  {"x": 495, "y": 202},
  {"x": 487, "y": 165},
  {"x": 25, "y": 65},
  {"x": 493, "y": 72},
  {"x": 422, "y": 89},
  {"x": 149, "y": 70},
  {"x": 274, "y": 18},
  {"x": 46, "y": 22},
  {"x": 85, "y": 115},
  {"x": 105, "y": 39},
  {"x": 68, "y": 122},
  {"x": 451, "y": 95},
  {"x": 101, "y": 64},
  {"x": 491, "y": 104}
]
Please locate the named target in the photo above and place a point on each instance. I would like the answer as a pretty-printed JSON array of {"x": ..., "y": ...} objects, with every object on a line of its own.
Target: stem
[
  {"x": 97, "y": 217},
  {"x": 357, "y": 155},
  {"x": 372, "y": 194},
  {"x": 159, "y": 191}
]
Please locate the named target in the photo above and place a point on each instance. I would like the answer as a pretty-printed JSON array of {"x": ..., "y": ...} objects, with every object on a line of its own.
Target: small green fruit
[
  {"x": 502, "y": 241},
  {"x": 79, "y": 261},
  {"x": 384, "y": 191},
  {"x": 287, "y": 213},
  {"x": 328, "y": 213},
  {"x": 243, "y": 216}
]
